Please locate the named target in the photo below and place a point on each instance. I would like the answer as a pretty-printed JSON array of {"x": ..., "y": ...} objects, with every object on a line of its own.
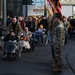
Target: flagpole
[
  {"x": 4, "y": 12},
  {"x": 45, "y": 11}
]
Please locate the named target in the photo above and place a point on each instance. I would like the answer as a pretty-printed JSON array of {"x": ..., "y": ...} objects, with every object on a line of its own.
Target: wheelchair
[
  {"x": 40, "y": 38},
  {"x": 24, "y": 40},
  {"x": 11, "y": 50}
]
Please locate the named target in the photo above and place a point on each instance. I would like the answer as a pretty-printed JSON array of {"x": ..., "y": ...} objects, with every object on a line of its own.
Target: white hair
[{"x": 26, "y": 27}]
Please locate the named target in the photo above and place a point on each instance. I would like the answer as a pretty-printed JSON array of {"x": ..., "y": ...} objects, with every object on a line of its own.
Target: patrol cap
[{"x": 57, "y": 15}]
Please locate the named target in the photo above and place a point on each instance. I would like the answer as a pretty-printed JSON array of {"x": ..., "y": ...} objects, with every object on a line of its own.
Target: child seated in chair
[{"x": 39, "y": 34}]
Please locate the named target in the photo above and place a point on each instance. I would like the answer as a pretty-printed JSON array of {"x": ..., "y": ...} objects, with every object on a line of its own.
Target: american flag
[{"x": 55, "y": 5}]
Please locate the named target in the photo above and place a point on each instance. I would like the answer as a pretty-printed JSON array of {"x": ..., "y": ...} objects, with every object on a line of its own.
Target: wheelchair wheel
[
  {"x": 45, "y": 40},
  {"x": 32, "y": 44},
  {"x": 18, "y": 54}
]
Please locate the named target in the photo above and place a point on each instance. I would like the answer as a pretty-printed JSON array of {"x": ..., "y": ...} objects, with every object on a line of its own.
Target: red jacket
[{"x": 22, "y": 23}]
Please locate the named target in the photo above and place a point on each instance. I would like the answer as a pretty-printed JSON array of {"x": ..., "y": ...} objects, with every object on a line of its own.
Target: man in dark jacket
[
  {"x": 9, "y": 20},
  {"x": 30, "y": 24},
  {"x": 11, "y": 36}
]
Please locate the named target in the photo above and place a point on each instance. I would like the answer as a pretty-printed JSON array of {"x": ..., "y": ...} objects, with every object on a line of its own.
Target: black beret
[{"x": 57, "y": 15}]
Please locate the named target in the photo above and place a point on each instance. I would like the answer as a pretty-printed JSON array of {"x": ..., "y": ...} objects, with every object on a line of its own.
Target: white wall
[
  {"x": 67, "y": 10},
  {"x": 23, "y": 10},
  {"x": 30, "y": 11}
]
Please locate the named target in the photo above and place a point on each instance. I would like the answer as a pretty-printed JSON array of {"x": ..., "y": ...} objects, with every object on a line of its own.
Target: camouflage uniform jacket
[
  {"x": 66, "y": 26},
  {"x": 58, "y": 36}
]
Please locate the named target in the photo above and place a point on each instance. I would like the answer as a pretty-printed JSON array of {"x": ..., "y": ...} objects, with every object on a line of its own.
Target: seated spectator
[
  {"x": 27, "y": 33},
  {"x": 11, "y": 36},
  {"x": 39, "y": 34},
  {"x": 41, "y": 29},
  {"x": 24, "y": 42}
]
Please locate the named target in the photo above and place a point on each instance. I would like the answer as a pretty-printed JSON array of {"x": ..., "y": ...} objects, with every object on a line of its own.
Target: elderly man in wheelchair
[
  {"x": 26, "y": 41},
  {"x": 11, "y": 47},
  {"x": 40, "y": 37}
]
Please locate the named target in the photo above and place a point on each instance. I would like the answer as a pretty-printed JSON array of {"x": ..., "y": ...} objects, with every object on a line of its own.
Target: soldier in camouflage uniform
[
  {"x": 57, "y": 42},
  {"x": 66, "y": 27}
]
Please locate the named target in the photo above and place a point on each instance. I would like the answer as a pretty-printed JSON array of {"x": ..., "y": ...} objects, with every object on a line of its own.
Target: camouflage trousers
[{"x": 56, "y": 55}]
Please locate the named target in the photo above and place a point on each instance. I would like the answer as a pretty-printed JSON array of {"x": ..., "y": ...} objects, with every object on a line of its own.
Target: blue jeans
[
  {"x": 38, "y": 36},
  {"x": 8, "y": 47}
]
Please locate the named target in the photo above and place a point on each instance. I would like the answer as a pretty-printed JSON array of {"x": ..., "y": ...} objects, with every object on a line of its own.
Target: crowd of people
[{"x": 59, "y": 26}]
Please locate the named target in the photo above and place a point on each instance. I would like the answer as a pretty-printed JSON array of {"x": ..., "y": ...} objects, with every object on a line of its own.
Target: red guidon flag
[{"x": 55, "y": 5}]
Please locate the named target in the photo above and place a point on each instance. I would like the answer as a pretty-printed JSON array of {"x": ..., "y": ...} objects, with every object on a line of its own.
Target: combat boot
[
  {"x": 57, "y": 68},
  {"x": 52, "y": 61}
]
